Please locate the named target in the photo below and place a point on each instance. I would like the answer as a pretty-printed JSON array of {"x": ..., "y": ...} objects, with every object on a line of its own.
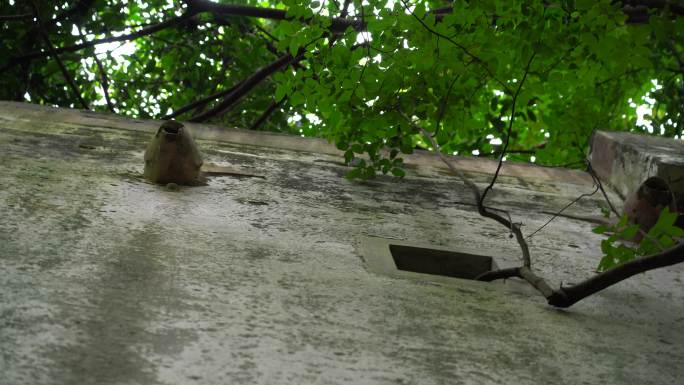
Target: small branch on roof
[
  {"x": 483, "y": 211},
  {"x": 560, "y": 212},
  {"x": 567, "y": 296}
]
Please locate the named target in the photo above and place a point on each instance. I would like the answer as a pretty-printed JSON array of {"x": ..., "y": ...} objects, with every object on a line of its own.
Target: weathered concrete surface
[
  {"x": 626, "y": 160},
  {"x": 106, "y": 279}
]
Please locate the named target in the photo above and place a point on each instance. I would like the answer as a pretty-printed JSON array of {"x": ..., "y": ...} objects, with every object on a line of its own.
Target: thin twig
[
  {"x": 265, "y": 32},
  {"x": 368, "y": 57},
  {"x": 51, "y": 49},
  {"x": 454, "y": 170},
  {"x": 563, "y": 209},
  {"x": 460, "y": 46},
  {"x": 104, "y": 82},
  {"x": 266, "y": 114},
  {"x": 443, "y": 106},
  {"x": 597, "y": 180},
  {"x": 19, "y": 17},
  {"x": 510, "y": 128},
  {"x": 131, "y": 36},
  {"x": 345, "y": 9},
  {"x": 482, "y": 210}
]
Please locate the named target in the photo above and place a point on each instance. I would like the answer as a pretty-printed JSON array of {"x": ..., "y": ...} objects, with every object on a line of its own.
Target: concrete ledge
[
  {"x": 18, "y": 112},
  {"x": 625, "y": 160}
]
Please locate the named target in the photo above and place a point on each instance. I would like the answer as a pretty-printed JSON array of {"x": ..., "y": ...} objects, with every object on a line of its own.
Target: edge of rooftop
[{"x": 283, "y": 141}]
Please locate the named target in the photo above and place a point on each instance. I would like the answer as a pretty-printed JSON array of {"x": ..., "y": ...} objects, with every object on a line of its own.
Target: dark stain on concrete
[{"x": 135, "y": 288}]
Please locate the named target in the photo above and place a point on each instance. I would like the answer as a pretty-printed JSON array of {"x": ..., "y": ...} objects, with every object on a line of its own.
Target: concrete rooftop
[{"x": 107, "y": 279}]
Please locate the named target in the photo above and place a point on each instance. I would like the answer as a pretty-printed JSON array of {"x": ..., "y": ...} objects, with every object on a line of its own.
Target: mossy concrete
[
  {"x": 107, "y": 279},
  {"x": 625, "y": 160}
]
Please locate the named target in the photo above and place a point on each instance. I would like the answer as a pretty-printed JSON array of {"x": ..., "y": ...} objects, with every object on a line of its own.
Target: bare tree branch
[
  {"x": 633, "y": 7},
  {"x": 525, "y": 270},
  {"x": 245, "y": 87},
  {"x": 536, "y": 281},
  {"x": 566, "y": 296},
  {"x": 18, "y": 17},
  {"x": 442, "y": 107},
  {"x": 337, "y": 24},
  {"x": 482, "y": 210},
  {"x": 104, "y": 82},
  {"x": 267, "y": 113},
  {"x": 493, "y": 275},
  {"x": 596, "y": 184},
  {"x": 79, "y": 7},
  {"x": 51, "y": 48},
  {"x": 591, "y": 171},
  {"x": 131, "y": 36},
  {"x": 510, "y": 128},
  {"x": 465, "y": 50},
  {"x": 637, "y": 11},
  {"x": 201, "y": 102}
]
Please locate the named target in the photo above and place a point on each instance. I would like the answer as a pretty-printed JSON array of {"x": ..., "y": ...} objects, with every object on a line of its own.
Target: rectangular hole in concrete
[{"x": 440, "y": 262}]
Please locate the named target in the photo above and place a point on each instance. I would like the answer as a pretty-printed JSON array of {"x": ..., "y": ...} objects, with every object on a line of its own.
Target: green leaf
[
  {"x": 623, "y": 221},
  {"x": 348, "y": 156},
  {"x": 606, "y": 263},
  {"x": 675, "y": 231},
  {"x": 280, "y": 92},
  {"x": 357, "y": 148},
  {"x": 293, "y": 48},
  {"x": 353, "y": 174},
  {"x": 630, "y": 232},
  {"x": 297, "y": 98},
  {"x": 666, "y": 220},
  {"x": 584, "y": 4},
  {"x": 398, "y": 172},
  {"x": 494, "y": 103}
]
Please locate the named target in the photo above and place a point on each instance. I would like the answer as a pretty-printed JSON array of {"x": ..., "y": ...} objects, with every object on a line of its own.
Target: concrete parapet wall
[{"x": 107, "y": 279}]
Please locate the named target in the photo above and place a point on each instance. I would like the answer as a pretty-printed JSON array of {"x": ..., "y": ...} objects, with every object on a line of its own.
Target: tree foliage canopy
[{"x": 364, "y": 74}]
